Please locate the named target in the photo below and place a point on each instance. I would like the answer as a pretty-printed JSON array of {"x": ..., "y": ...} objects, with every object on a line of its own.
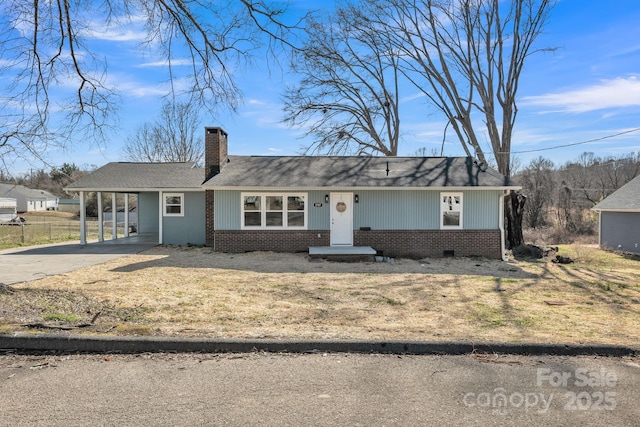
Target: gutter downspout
[{"x": 501, "y": 224}]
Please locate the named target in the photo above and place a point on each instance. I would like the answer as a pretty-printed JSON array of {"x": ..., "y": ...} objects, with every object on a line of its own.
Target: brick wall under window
[
  {"x": 267, "y": 240},
  {"x": 394, "y": 243},
  {"x": 431, "y": 243}
]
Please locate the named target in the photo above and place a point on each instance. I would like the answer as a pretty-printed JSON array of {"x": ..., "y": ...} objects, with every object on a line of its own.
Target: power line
[{"x": 602, "y": 138}]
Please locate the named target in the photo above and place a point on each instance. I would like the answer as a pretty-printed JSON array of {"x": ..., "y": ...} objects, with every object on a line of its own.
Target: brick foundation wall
[
  {"x": 394, "y": 243},
  {"x": 267, "y": 240},
  {"x": 431, "y": 243}
]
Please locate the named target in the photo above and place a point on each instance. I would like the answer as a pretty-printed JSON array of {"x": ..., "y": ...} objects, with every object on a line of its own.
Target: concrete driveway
[{"x": 36, "y": 262}]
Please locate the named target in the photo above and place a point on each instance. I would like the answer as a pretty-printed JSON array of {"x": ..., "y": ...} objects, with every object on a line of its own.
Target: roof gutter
[
  {"x": 134, "y": 189},
  {"x": 357, "y": 188}
]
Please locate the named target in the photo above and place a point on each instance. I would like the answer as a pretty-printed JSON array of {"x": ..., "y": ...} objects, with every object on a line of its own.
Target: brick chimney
[{"x": 215, "y": 150}]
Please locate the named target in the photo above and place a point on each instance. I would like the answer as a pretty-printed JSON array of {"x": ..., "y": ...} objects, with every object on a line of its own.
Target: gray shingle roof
[
  {"x": 118, "y": 176},
  {"x": 354, "y": 172},
  {"x": 7, "y": 190},
  {"x": 626, "y": 198}
]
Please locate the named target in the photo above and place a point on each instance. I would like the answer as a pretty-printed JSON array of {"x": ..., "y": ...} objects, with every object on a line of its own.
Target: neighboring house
[
  {"x": 69, "y": 205},
  {"x": 620, "y": 218},
  {"x": 132, "y": 220},
  {"x": 8, "y": 209},
  {"x": 400, "y": 206},
  {"x": 29, "y": 200}
]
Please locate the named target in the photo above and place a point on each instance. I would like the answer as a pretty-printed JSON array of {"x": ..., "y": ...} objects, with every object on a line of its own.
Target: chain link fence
[{"x": 41, "y": 232}]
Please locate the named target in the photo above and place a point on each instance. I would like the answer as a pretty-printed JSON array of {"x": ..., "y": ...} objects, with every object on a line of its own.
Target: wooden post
[
  {"x": 100, "y": 218},
  {"x": 160, "y": 211},
  {"x": 83, "y": 220},
  {"x": 126, "y": 214},
  {"x": 114, "y": 217}
]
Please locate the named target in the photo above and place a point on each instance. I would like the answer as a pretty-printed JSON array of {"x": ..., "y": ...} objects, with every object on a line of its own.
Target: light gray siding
[
  {"x": 396, "y": 210},
  {"x": 227, "y": 210},
  {"x": 318, "y": 216},
  {"x": 420, "y": 210},
  {"x": 481, "y": 209},
  {"x": 187, "y": 229},
  {"x": 228, "y": 205},
  {"x": 620, "y": 231},
  {"x": 380, "y": 209},
  {"x": 148, "y": 213}
]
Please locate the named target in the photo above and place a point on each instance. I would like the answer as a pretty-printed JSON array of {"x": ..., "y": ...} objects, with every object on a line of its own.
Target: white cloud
[
  {"x": 116, "y": 35},
  {"x": 614, "y": 93},
  {"x": 264, "y": 113},
  {"x": 124, "y": 28},
  {"x": 165, "y": 63},
  {"x": 412, "y": 97}
]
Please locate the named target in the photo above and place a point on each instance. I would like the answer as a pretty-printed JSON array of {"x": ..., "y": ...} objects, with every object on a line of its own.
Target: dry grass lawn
[{"x": 196, "y": 293}]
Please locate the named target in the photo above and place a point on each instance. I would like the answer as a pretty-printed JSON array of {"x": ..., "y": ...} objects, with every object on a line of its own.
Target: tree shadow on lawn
[
  {"x": 272, "y": 262},
  {"x": 608, "y": 287}
]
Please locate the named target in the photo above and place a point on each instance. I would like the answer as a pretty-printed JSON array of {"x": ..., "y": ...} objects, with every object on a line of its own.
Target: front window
[
  {"x": 173, "y": 204},
  {"x": 276, "y": 211},
  {"x": 451, "y": 210}
]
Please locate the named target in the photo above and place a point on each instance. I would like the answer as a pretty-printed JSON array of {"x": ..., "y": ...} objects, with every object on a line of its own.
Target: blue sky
[{"x": 586, "y": 90}]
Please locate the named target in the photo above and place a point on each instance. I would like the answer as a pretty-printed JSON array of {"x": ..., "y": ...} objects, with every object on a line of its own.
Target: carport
[
  {"x": 101, "y": 223},
  {"x": 169, "y": 198}
]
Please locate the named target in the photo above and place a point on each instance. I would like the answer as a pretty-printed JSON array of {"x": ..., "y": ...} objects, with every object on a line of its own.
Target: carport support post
[
  {"x": 160, "y": 211},
  {"x": 83, "y": 220},
  {"x": 114, "y": 217},
  {"x": 126, "y": 214},
  {"x": 100, "y": 218}
]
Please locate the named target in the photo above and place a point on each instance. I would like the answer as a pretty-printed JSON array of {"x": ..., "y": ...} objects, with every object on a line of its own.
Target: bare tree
[
  {"x": 347, "y": 98},
  {"x": 593, "y": 178},
  {"x": 466, "y": 57},
  {"x": 173, "y": 137},
  {"x": 54, "y": 82},
  {"x": 538, "y": 184}
]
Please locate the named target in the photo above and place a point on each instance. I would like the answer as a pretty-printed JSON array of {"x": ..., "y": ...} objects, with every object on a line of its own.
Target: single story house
[
  {"x": 619, "y": 214},
  {"x": 400, "y": 206},
  {"x": 29, "y": 200},
  {"x": 8, "y": 209}
]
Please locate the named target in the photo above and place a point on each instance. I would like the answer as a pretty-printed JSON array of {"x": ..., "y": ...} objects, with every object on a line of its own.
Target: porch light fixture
[
  {"x": 356, "y": 198},
  {"x": 326, "y": 198}
]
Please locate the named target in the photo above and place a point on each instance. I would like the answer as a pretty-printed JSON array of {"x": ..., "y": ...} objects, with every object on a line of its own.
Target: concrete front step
[{"x": 343, "y": 253}]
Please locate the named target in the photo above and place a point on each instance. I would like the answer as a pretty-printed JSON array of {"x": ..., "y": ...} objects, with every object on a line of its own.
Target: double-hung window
[
  {"x": 274, "y": 211},
  {"x": 450, "y": 210},
  {"x": 173, "y": 204}
]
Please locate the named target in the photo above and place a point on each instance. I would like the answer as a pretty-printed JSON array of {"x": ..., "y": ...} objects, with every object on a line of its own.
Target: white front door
[{"x": 341, "y": 206}]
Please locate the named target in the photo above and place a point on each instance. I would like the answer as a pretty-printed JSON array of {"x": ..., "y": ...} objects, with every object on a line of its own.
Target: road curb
[{"x": 109, "y": 344}]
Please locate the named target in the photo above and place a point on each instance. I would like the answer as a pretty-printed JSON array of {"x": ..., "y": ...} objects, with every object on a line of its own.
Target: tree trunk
[{"x": 514, "y": 213}]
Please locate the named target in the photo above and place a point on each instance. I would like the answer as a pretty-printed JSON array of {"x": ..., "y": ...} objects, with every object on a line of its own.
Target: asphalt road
[{"x": 317, "y": 389}]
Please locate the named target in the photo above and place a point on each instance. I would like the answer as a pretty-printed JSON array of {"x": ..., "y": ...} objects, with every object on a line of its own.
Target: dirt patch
[{"x": 193, "y": 292}]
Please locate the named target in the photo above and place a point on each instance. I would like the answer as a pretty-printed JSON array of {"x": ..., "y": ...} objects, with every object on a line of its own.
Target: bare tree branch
[
  {"x": 467, "y": 56},
  {"x": 54, "y": 83},
  {"x": 173, "y": 137},
  {"x": 347, "y": 98}
]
